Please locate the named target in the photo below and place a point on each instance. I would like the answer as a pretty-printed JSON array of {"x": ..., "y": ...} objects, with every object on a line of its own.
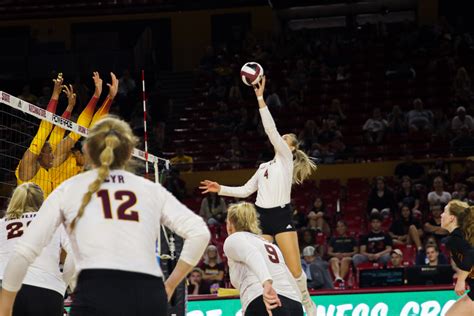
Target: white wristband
[{"x": 260, "y": 97}]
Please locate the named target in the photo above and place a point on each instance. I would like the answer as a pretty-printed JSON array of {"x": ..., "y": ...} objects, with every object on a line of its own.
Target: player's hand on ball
[
  {"x": 259, "y": 87},
  {"x": 209, "y": 186},
  {"x": 460, "y": 287}
]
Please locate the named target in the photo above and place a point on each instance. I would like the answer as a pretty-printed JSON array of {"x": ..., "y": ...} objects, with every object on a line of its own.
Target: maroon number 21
[{"x": 123, "y": 211}]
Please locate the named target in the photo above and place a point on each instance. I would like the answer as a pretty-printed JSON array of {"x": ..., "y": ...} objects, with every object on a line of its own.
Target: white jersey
[
  {"x": 252, "y": 261},
  {"x": 273, "y": 179},
  {"x": 119, "y": 227},
  {"x": 44, "y": 272}
]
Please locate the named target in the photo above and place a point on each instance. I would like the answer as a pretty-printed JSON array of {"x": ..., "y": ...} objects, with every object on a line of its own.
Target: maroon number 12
[{"x": 123, "y": 210}]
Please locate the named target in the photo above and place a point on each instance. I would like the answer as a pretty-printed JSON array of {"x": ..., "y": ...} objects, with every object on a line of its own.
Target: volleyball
[{"x": 251, "y": 73}]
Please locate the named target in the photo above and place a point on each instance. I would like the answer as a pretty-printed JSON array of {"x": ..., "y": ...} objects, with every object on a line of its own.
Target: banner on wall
[{"x": 414, "y": 303}]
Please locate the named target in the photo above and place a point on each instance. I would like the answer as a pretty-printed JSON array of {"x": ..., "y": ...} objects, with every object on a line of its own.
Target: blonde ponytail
[
  {"x": 303, "y": 166},
  {"x": 244, "y": 218},
  {"x": 109, "y": 145},
  {"x": 27, "y": 197},
  {"x": 468, "y": 225}
]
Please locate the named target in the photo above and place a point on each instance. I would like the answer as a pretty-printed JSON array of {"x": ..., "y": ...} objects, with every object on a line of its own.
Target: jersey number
[
  {"x": 123, "y": 211},
  {"x": 15, "y": 229},
  {"x": 272, "y": 254},
  {"x": 266, "y": 174}
]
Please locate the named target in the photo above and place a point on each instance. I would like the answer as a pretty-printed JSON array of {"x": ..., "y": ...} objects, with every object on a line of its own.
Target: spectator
[
  {"x": 438, "y": 195},
  {"x": 467, "y": 176},
  {"x": 376, "y": 245},
  {"x": 438, "y": 169},
  {"x": 396, "y": 259},
  {"x": 235, "y": 155},
  {"x": 408, "y": 196},
  {"x": 431, "y": 256},
  {"x": 273, "y": 100},
  {"x": 421, "y": 258},
  {"x": 381, "y": 199},
  {"x": 316, "y": 270},
  {"x": 397, "y": 121},
  {"x": 460, "y": 192},
  {"x": 308, "y": 239},
  {"x": 418, "y": 118},
  {"x": 181, "y": 161},
  {"x": 127, "y": 84},
  {"x": 463, "y": 143},
  {"x": 175, "y": 184},
  {"x": 441, "y": 124},
  {"x": 462, "y": 85},
  {"x": 462, "y": 120},
  {"x": 317, "y": 217},
  {"x": 235, "y": 95},
  {"x": 335, "y": 112},
  {"x": 374, "y": 128},
  {"x": 433, "y": 225},
  {"x": 195, "y": 284},
  {"x": 410, "y": 168},
  {"x": 27, "y": 96},
  {"x": 341, "y": 74},
  {"x": 407, "y": 230},
  {"x": 213, "y": 269},
  {"x": 341, "y": 249},
  {"x": 308, "y": 135},
  {"x": 213, "y": 209}
]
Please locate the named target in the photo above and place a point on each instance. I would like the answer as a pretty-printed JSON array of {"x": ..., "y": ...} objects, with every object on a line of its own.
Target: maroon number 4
[{"x": 123, "y": 211}]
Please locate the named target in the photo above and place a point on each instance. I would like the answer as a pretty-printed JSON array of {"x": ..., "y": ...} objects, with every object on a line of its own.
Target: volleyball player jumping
[
  {"x": 273, "y": 181},
  {"x": 257, "y": 268},
  {"x": 458, "y": 219},
  {"x": 44, "y": 285},
  {"x": 113, "y": 219}
]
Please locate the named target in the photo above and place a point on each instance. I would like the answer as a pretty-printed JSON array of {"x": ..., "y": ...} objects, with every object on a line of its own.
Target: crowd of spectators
[{"x": 402, "y": 226}]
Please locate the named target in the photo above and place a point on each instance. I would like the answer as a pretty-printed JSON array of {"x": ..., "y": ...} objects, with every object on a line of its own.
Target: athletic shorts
[
  {"x": 38, "y": 301},
  {"x": 276, "y": 220},
  {"x": 288, "y": 307},
  {"x": 470, "y": 282},
  {"x": 118, "y": 293}
]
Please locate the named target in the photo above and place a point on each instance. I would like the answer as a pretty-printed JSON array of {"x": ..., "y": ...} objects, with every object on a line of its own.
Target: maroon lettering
[{"x": 123, "y": 210}]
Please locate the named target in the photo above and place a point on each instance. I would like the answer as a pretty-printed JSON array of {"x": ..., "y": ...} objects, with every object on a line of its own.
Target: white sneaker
[{"x": 308, "y": 304}]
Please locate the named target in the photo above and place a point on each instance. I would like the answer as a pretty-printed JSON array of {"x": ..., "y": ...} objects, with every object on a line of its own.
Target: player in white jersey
[
  {"x": 273, "y": 181},
  {"x": 113, "y": 219},
  {"x": 44, "y": 285},
  {"x": 257, "y": 267}
]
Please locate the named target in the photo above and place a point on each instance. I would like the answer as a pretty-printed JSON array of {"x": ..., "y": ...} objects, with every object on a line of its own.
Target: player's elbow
[{"x": 26, "y": 251}]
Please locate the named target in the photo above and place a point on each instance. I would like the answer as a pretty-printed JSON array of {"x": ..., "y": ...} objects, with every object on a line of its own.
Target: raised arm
[
  {"x": 240, "y": 192},
  {"x": 279, "y": 144},
  {"x": 58, "y": 132},
  {"x": 28, "y": 166},
  {"x": 84, "y": 120}
]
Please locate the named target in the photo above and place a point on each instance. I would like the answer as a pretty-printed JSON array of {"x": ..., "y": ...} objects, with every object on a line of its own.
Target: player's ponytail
[
  {"x": 27, "y": 197},
  {"x": 465, "y": 218},
  {"x": 303, "y": 166},
  {"x": 244, "y": 218},
  {"x": 109, "y": 146}
]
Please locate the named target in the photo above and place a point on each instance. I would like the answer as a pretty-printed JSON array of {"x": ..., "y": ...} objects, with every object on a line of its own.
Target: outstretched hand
[
  {"x": 97, "y": 84},
  {"x": 260, "y": 87},
  {"x": 209, "y": 186},
  {"x": 113, "y": 86},
  {"x": 71, "y": 96},
  {"x": 58, "y": 84}
]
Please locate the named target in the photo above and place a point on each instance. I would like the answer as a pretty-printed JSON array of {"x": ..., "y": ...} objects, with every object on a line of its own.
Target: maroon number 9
[
  {"x": 123, "y": 210},
  {"x": 272, "y": 253}
]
